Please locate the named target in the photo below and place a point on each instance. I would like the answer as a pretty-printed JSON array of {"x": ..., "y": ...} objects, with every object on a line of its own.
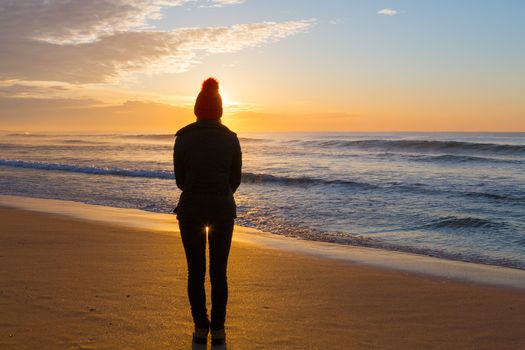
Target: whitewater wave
[
  {"x": 247, "y": 177},
  {"x": 154, "y": 174},
  {"x": 165, "y": 174},
  {"x": 304, "y": 180},
  {"x": 419, "y": 146}
]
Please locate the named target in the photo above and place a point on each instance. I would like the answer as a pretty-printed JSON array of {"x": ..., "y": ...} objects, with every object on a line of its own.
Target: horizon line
[{"x": 261, "y": 131}]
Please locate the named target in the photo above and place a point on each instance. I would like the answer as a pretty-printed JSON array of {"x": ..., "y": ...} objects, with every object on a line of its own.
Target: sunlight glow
[{"x": 226, "y": 101}]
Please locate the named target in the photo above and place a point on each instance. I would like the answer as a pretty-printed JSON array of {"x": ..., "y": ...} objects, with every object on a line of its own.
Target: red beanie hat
[{"x": 209, "y": 102}]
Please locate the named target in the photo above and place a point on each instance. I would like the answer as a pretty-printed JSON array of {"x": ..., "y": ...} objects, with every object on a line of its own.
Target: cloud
[
  {"x": 65, "y": 21},
  {"x": 222, "y": 3},
  {"x": 337, "y": 21},
  {"x": 98, "y": 41},
  {"x": 55, "y": 114},
  {"x": 388, "y": 12},
  {"x": 22, "y": 89}
]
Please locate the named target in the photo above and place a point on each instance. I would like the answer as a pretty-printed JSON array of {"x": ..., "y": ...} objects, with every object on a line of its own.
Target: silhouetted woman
[{"x": 207, "y": 160}]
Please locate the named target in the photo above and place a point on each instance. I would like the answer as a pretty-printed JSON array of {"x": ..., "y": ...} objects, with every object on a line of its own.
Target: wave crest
[
  {"x": 165, "y": 174},
  {"x": 430, "y": 146},
  {"x": 154, "y": 174},
  {"x": 304, "y": 180},
  {"x": 454, "y": 222},
  {"x": 252, "y": 178}
]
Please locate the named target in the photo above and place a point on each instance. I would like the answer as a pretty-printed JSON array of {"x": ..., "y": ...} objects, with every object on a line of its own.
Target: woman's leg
[
  {"x": 194, "y": 241},
  {"x": 220, "y": 237}
]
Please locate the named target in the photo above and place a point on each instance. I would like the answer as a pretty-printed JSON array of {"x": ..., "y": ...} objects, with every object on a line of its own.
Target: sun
[
  {"x": 225, "y": 97},
  {"x": 227, "y": 102}
]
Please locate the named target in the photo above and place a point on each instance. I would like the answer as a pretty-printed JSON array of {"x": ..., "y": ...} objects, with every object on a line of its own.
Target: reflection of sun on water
[{"x": 207, "y": 228}]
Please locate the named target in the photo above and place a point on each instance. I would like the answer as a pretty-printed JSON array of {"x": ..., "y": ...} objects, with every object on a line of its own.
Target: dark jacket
[{"x": 207, "y": 159}]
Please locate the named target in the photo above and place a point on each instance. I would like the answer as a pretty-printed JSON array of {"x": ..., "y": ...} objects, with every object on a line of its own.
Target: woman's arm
[
  {"x": 236, "y": 169},
  {"x": 178, "y": 165}
]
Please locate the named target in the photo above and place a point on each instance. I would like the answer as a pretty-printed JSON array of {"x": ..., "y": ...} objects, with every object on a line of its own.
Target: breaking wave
[
  {"x": 154, "y": 174},
  {"x": 165, "y": 174},
  {"x": 453, "y": 222},
  {"x": 247, "y": 177},
  {"x": 421, "y": 146}
]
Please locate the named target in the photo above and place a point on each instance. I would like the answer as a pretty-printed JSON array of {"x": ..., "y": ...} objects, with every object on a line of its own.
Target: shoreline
[{"x": 374, "y": 257}]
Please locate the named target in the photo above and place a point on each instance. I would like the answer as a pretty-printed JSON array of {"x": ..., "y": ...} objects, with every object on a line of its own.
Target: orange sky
[{"x": 342, "y": 66}]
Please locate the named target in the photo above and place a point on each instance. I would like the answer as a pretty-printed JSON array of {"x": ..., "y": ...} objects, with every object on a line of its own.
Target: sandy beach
[{"x": 73, "y": 284}]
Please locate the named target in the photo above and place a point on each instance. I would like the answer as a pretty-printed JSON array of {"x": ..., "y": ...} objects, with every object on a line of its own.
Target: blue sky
[{"x": 475, "y": 47}]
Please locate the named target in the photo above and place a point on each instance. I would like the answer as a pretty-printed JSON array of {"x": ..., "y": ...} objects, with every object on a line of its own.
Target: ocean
[{"x": 451, "y": 195}]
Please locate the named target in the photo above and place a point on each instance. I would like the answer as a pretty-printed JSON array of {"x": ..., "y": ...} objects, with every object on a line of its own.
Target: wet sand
[{"x": 69, "y": 283}]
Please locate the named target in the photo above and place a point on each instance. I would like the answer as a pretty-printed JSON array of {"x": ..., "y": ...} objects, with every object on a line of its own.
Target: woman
[{"x": 207, "y": 160}]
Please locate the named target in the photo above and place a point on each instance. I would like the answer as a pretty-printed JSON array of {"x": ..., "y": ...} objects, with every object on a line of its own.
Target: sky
[{"x": 283, "y": 65}]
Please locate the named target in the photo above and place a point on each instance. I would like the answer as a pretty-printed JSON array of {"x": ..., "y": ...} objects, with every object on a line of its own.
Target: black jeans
[{"x": 193, "y": 235}]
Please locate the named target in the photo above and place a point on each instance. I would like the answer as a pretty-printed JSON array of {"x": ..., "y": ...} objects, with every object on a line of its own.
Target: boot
[
  {"x": 218, "y": 337},
  {"x": 200, "y": 336}
]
